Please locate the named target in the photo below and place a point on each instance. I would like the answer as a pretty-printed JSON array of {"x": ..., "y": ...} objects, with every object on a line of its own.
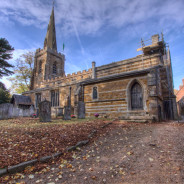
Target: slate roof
[{"x": 21, "y": 99}]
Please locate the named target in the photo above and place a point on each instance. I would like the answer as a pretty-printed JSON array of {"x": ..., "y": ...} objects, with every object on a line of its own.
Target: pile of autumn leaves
[{"x": 27, "y": 139}]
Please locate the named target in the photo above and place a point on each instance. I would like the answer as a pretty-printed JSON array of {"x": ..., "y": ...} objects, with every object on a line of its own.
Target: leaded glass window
[
  {"x": 55, "y": 98},
  {"x": 95, "y": 93}
]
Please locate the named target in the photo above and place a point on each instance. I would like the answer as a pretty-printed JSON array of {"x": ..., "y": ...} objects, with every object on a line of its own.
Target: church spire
[{"x": 50, "y": 39}]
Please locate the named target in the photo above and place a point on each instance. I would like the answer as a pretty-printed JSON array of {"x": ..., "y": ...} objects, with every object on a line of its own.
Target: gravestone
[
  {"x": 81, "y": 110},
  {"x": 45, "y": 111},
  {"x": 67, "y": 113},
  {"x": 60, "y": 112}
]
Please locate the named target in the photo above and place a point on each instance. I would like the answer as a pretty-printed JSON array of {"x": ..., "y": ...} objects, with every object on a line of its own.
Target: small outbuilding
[
  {"x": 21, "y": 101},
  {"x": 19, "y": 106}
]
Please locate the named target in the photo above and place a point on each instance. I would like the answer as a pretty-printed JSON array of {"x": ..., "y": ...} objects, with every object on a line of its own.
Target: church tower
[{"x": 48, "y": 63}]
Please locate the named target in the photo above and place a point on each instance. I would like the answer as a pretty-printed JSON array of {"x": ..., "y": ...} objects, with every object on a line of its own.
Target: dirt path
[{"x": 129, "y": 153}]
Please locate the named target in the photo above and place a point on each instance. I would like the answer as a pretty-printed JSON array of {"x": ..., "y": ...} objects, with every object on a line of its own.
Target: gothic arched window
[
  {"x": 54, "y": 71},
  {"x": 40, "y": 67},
  {"x": 136, "y": 96},
  {"x": 55, "y": 98},
  {"x": 95, "y": 93}
]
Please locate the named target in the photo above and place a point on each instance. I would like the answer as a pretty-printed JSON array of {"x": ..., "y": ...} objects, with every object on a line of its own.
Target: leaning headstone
[
  {"x": 81, "y": 110},
  {"x": 45, "y": 111},
  {"x": 67, "y": 113}
]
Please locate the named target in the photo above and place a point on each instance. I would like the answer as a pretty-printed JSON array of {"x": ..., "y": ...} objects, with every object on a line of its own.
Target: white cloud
[
  {"x": 26, "y": 12},
  {"x": 91, "y": 16},
  {"x": 6, "y": 82},
  {"x": 18, "y": 52}
]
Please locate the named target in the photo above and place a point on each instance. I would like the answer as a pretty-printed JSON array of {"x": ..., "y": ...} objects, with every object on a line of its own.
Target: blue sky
[{"x": 95, "y": 30}]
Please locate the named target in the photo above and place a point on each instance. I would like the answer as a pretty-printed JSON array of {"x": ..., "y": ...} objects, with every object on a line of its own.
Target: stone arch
[{"x": 129, "y": 96}]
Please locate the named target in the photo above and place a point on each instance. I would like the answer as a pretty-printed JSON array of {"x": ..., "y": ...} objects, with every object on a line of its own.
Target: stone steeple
[{"x": 50, "y": 39}]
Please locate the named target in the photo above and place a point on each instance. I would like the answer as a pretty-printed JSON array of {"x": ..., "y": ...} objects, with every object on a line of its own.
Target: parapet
[
  {"x": 38, "y": 50},
  {"x": 78, "y": 76}
]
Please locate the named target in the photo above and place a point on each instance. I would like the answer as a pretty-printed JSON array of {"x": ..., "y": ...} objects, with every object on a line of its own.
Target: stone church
[{"x": 139, "y": 88}]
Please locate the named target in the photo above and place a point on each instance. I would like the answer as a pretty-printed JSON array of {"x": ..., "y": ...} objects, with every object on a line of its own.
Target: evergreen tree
[
  {"x": 4, "y": 94},
  {"x": 5, "y": 54},
  {"x": 2, "y": 86}
]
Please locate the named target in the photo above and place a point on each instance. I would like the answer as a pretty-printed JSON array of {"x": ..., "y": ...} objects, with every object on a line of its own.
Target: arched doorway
[{"x": 136, "y": 96}]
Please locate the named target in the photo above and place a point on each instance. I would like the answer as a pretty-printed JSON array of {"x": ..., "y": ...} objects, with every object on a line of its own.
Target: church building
[{"x": 139, "y": 88}]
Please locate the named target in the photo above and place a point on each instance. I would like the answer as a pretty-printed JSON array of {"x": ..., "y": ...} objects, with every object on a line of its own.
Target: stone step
[
  {"x": 136, "y": 118},
  {"x": 137, "y": 121},
  {"x": 137, "y": 113}
]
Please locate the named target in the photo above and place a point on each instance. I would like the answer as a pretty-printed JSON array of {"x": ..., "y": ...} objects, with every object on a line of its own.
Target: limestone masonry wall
[
  {"x": 137, "y": 63},
  {"x": 112, "y": 97}
]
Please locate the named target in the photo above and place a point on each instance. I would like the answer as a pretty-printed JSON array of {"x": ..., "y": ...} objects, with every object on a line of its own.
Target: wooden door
[{"x": 136, "y": 97}]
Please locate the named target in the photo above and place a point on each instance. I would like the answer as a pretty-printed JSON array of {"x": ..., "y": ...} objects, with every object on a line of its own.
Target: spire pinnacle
[{"x": 50, "y": 39}]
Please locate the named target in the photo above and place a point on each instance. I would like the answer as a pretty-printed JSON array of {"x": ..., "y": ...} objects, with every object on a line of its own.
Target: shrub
[
  {"x": 73, "y": 116},
  {"x": 33, "y": 115},
  {"x": 96, "y": 115}
]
